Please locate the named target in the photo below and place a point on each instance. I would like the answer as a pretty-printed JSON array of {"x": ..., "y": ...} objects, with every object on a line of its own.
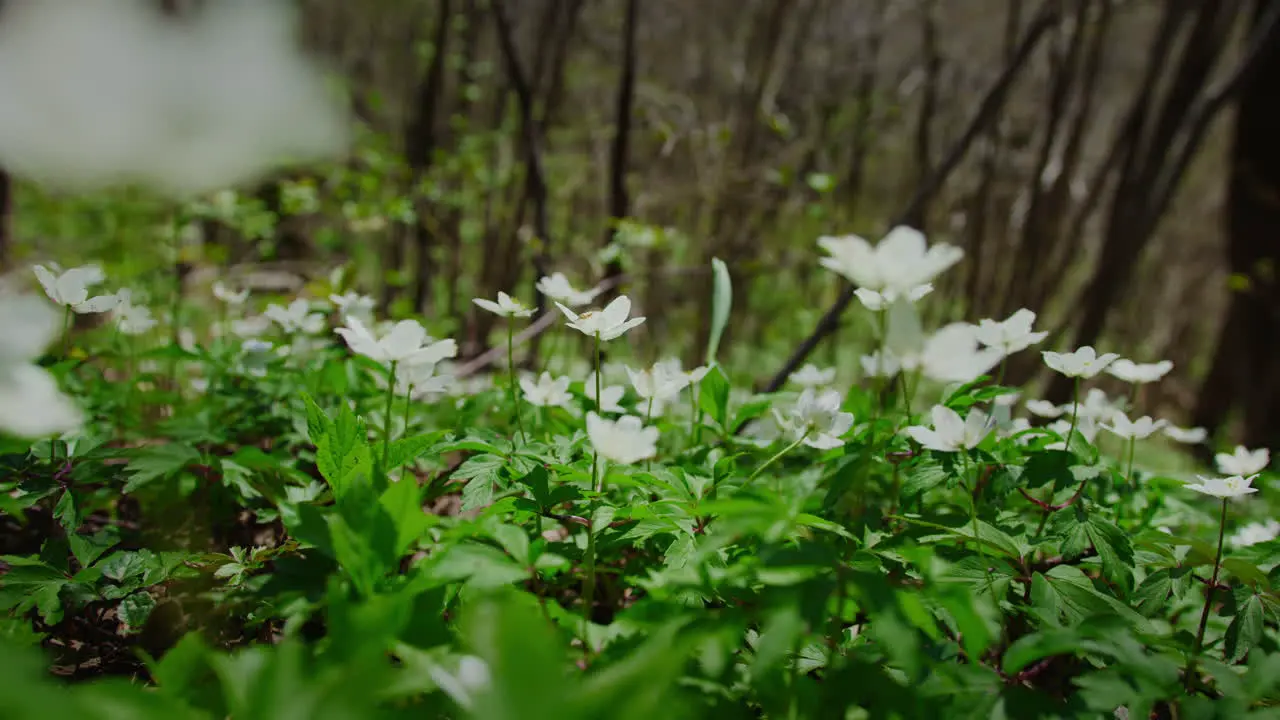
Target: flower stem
[
  {"x": 1075, "y": 411},
  {"x": 408, "y": 405},
  {"x": 386, "y": 416},
  {"x": 1129, "y": 471},
  {"x": 511, "y": 370},
  {"x": 977, "y": 537},
  {"x": 66, "y": 332},
  {"x": 1208, "y": 602},
  {"x": 589, "y": 584},
  {"x": 777, "y": 456}
]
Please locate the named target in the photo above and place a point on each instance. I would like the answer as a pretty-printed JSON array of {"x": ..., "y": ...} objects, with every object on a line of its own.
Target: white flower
[
  {"x": 406, "y": 342},
  {"x": 763, "y": 431},
  {"x": 1131, "y": 372},
  {"x": 1096, "y": 406},
  {"x": 1140, "y": 429},
  {"x": 420, "y": 380},
  {"x": 462, "y": 685},
  {"x": 610, "y": 395},
  {"x": 556, "y": 286},
  {"x": 817, "y": 420},
  {"x": 1083, "y": 363},
  {"x": 296, "y": 317},
  {"x": 1228, "y": 487},
  {"x": 624, "y": 440},
  {"x": 1187, "y": 436},
  {"x": 1012, "y": 334},
  {"x": 180, "y": 105},
  {"x": 226, "y": 295},
  {"x": 1043, "y": 408},
  {"x": 951, "y": 355},
  {"x": 661, "y": 382},
  {"x": 877, "y": 301},
  {"x": 880, "y": 364},
  {"x": 132, "y": 319},
  {"x": 1243, "y": 461},
  {"x": 506, "y": 306},
  {"x": 1255, "y": 533},
  {"x": 605, "y": 324},
  {"x": 31, "y": 405},
  {"x": 1086, "y": 427},
  {"x": 812, "y": 376},
  {"x": 950, "y": 433},
  {"x": 547, "y": 391},
  {"x": 353, "y": 303},
  {"x": 71, "y": 287},
  {"x": 897, "y": 266}
]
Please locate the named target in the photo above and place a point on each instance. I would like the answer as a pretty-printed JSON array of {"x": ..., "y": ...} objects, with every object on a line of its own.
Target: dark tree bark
[
  {"x": 420, "y": 147},
  {"x": 1158, "y": 149},
  {"x": 1246, "y": 364},
  {"x": 619, "y": 200}
]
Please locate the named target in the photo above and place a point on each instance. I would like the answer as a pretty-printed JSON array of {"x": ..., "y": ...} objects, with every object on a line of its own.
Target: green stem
[
  {"x": 1075, "y": 411},
  {"x": 511, "y": 370},
  {"x": 408, "y": 406},
  {"x": 1129, "y": 471},
  {"x": 386, "y": 416},
  {"x": 66, "y": 332},
  {"x": 777, "y": 456},
  {"x": 1004, "y": 362},
  {"x": 1208, "y": 602},
  {"x": 693, "y": 413},
  {"x": 977, "y": 537}
]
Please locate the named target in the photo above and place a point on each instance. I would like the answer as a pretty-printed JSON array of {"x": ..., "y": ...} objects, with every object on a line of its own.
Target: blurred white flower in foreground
[
  {"x": 506, "y": 306},
  {"x": 1255, "y": 533},
  {"x": 547, "y": 391},
  {"x": 31, "y": 405},
  {"x": 106, "y": 92},
  {"x": 1010, "y": 335},
  {"x": 1228, "y": 487},
  {"x": 1136, "y": 373},
  {"x": 951, "y": 355},
  {"x": 659, "y": 383},
  {"x": 556, "y": 286},
  {"x": 462, "y": 685},
  {"x": 817, "y": 419},
  {"x": 1243, "y": 461},
  {"x": 1187, "y": 436},
  {"x": 606, "y": 324},
  {"x": 880, "y": 364},
  {"x": 899, "y": 266},
  {"x": 71, "y": 287},
  {"x": 950, "y": 432},
  {"x": 625, "y": 440},
  {"x": 813, "y": 376},
  {"x": 1083, "y": 363}
]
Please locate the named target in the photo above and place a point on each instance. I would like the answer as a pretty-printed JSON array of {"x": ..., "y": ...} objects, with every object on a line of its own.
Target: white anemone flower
[
  {"x": 1243, "y": 461},
  {"x": 547, "y": 391},
  {"x": 1011, "y": 335},
  {"x": 950, "y": 432},
  {"x": 70, "y": 288},
  {"x": 557, "y": 287},
  {"x": 606, "y": 324},
  {"x": 1082, "y": 363},
  {"x": 1138, "y": 373},
  {"x": 1225, "y": 488},
  {"x": 816, "y": 419},
  {"x": 625, "y": 441},
  {"x": 506, "y": 306}
]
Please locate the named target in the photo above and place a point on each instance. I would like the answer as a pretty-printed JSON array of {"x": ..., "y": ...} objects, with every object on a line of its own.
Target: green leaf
[
  {"x": 484, "y": 473},
  {"x": 403, "y": 502},
  {"x": 409, "y": 449},
  {"x": 135, "y": 609},
  {"x": 1152, "y": 594},
  {"x": 158, "y": 461},
  {"x": 478, "y": 565},
  {"x": 713, "y": 395},
  {"x": 1115, "y": 551},
  {"x": 525, "y": 659},
  {"x": 923, "y": 477},
  {"x": 1245, "y": 629},
  {"x": 721, "y": 304}
]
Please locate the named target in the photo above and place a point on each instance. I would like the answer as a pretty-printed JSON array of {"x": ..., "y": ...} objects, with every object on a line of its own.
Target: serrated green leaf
[
  {"x": 1245, "y": 629},
  {"x": 713, "y": 395},
  {"x": 135, "y": 609},
  {"x": 153, "y": 462}
]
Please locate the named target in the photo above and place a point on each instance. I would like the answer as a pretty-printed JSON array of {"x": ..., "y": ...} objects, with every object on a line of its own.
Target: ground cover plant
[{"x": 299, "y": 509}]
